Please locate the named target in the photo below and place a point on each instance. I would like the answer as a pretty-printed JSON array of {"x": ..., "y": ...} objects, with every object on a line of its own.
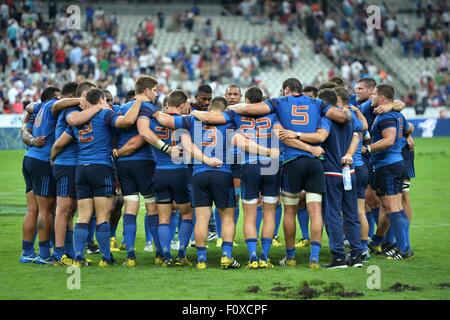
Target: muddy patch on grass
[
  {"x": 278, "y": 289},
  {"x": 312, "y": 290},
  {"x": 400, "y": 287},
  {"x": 444, "y": 285},
  {"x": 253, "y": 289}
]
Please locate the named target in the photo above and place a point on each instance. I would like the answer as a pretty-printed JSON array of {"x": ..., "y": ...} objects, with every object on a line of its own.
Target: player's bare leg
[
  {"x": 30, "y": 219},
  {"x": 314, "y": 207},
  {"x": 290, "y": 201},
  {"x": 65, "y": 209},
  {"x": 44, "y": 225},
  {"x": 250, "y": 220},
  {"x": 29, "y": 226}
]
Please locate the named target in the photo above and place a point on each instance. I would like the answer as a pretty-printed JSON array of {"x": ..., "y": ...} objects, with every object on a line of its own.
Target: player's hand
[
  {"x": 176, "y": 152},
  {"x": 383, "y": 109},
  {"x": 317, "y": 151},
  {"x": 354, "y": 108},
  {"x": 196, "y": 114},
  {"x": 287, "y": 134},
  {"x": 38, "y": 141},
  {"x": 274, "y": 153},
  {"x": 347, "y": 159},
  {"x": 104, "y": 106},
  {"x": 115, "y": 154},
  {"x": 363, "y": 149},
  {"x": 410, "y": 142},
  {"x": 213, "y": 162}
]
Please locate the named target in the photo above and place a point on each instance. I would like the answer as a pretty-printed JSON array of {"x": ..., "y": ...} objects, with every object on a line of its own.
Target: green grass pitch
[{"x": 430, "y": 268}]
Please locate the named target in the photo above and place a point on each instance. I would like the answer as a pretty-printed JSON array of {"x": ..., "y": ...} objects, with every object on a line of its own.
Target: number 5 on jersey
[{"x": 299, "y": 111}]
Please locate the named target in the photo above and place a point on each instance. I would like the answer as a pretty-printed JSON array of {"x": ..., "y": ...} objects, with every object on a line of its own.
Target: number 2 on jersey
[
  {"x": 299, "y": 111},
  {"x": 82, "y": 133}
]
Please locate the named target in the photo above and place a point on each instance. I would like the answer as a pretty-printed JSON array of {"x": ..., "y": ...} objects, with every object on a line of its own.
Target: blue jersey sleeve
[
  {"x": 110, "y": 118},
  {"x": 182, "y": 122},
  {"x": 147, "y": 110},
  {"x": 325, "y": 124},
  {"x": 70, "y": 110},
  {"x": 357, "y": 124},
  {"x": 273, "y": 103},
  {"x": 364, "y": 107},
  {"x": 387, "y": 121},
  {"x": 229, "y": 116},
  {"x": 324, "y": 107},
  {"x": 69, "y": 131}
]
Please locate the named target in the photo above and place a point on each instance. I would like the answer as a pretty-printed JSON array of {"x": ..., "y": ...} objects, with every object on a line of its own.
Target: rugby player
[
  {"x": 94, "y": 173},
  {"x": 387, "y": 132},
  {"x": 339, "y": 142},
  {"x": 301, "y": 170},
  {"x": 171, "y": 180},
  {"x": 29, "y": 227},
  {"x": 212, "y": 179},
  {"x": 260, "y": 175},
  {"x": 136, "y": 172},
  {"x": 38, "y": 169}
]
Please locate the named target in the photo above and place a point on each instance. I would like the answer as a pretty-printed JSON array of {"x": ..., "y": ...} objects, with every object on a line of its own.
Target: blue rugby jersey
[
  {"x": 169, "y": 136},
  {"x": 125, "y": 134},
  {"x": 44, "y": 125},
  {"x": 213, "y": 140},
  {"x": 392, "y": 154},
  {"x": 68, "y": 156},
  {"x": 95, "y": 139},
  {"x": 29, "y": 124},
  {"x": 300, "y": 114},
  {"x": 338, "y": 141},
  {"x": 258, "y": 128}
]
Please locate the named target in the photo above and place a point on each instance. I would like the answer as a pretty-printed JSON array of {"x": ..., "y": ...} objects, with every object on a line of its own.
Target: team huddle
[{"x": 328, "y": 157}]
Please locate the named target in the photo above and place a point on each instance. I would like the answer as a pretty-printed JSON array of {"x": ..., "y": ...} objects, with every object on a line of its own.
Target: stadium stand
[{"x": 287, "y": 39}]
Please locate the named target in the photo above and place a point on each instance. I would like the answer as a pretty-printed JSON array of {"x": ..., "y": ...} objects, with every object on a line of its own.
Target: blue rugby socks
[{"x": 129, "y": 230}]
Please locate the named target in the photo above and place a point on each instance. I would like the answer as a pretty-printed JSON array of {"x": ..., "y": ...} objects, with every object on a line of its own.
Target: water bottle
[{"x": 346, "y": 177}]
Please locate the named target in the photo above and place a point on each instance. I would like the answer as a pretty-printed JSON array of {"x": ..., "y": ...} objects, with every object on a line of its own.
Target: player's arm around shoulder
[
  {"x": 65, "y": 139},
  {"x": 131, "y": 115},
  {"x": 251, "y": 109},
  {"x": 210, "y": 117},
  {"x": 130, "y": 147},
  {"x": 166, "y": 120}
]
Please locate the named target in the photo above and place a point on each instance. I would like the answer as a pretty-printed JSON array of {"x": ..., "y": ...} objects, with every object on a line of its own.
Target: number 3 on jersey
[
  {"x": 82, "y": 133},
  {"x": 299, "y": 111},
  {"x": 211, "y": 134}
]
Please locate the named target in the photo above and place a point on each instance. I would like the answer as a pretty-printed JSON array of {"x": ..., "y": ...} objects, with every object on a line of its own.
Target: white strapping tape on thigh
[
  {"x": 150, "y": 199},
  {"x": 252, "y": 201},
  {"x": 406, "y": 186},
  {"x": 290, "y": 199},
  {"x": 268, "y": 199},
  {"x": 313, "y": 197},
  {"x": 131, "y": 197}
]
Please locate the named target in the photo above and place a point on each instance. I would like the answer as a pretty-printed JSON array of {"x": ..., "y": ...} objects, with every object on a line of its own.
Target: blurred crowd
[{"x": 36, "y": 51}]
